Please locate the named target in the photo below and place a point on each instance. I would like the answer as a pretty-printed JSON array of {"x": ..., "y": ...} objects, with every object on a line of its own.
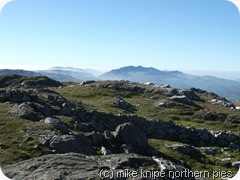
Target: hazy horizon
[
  {"x": 231, "y": 75},
  {"x": 168, "y": 35}
]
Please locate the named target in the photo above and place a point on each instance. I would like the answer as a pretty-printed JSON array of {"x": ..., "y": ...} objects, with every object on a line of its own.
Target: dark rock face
[
  {"x": 96, "y": 138},
  {"x": 212, "y": 116},
  {"x": 73, "y": 166},
  {"x": 25, "y": 111},
  {"x": 71, "y": 143},
  {"x": 24, "y": 81},
  {"x": 33, "y": 103},
  {"x": 129, "y": 134},
  {"x": 165, "y": 104},
  {"x": 209, "y": 150},
  {"x": 122, "y": 103},
  {"x": 190, "y": 94},
  {"x": 57, "y": 124},
  {"x": 183, "y": 99},
  {"x": 122, "y": 85},
  {"x": 186, "y": 149}
]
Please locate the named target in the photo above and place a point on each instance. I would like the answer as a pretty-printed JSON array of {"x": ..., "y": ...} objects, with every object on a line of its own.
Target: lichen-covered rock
[
  {"x": 185, "y": 149},
  {"x": 25, "y": 111},
  {"x": 182, "y": 99},
  {"x": 71, "y": 143},
  {"x": 96, "y": 138},
  {"x": 72, "y": 166},
  {"x": 57, "y": 124},
  {"x": 129, "y": 134},
  {"x": 122, "y": 103}
]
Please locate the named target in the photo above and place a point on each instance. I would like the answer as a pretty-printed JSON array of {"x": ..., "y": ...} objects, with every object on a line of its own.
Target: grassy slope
[
  {"x": 17, "y": 146},
  {"x": 101, "y": 99}
]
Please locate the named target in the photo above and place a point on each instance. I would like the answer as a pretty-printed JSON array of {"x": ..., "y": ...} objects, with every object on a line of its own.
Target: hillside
[
  {"x": 223, "y": 87},
  {"x": 72, "y": 74},
  {"x": 111, "y": 125},
  {"x": 227, "y": 88}
]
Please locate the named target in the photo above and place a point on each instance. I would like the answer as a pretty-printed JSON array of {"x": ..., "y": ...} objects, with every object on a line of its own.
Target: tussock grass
[
  {"x": 204, "y": 162},
  {"x": 102, "y": 98},
  {"x": 16, "y": 146}
]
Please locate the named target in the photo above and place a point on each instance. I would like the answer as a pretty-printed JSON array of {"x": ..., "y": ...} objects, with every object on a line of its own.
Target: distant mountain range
[{"x": 227, "y": 88}]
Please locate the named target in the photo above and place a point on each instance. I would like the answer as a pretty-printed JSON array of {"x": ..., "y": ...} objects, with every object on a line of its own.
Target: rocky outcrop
[
  {"x": 69, "y": 127},
  {"x": 182, "y": 99},
  {"x": 188, "y": 95},
  {"x": 56, "y": 123},
  {"x": 211, "y": 116},
  {"x": 17, "y": 96},
  {"x": 122, "y": 85},
  {"x": 96, "y": 138},
  {"x": 132, "y": 136},
  {"x": 28, "y": 82},
  {"x": 185, "y": 149},
  {"x": 77, "y": 167},
  {"x": 222, "y": 102},
  {"x": 168, "y": 130},
  {"x": 35, "y": 103},
  {"x": 165, "y": 104},
  {"x": 24, "y": 111},
  {"x": 122, "y": 103},
  {"x": 71, "y": 143}
]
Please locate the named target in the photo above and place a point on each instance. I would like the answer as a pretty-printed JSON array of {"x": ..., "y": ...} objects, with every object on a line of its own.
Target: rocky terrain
[
  {"x": 123, "y": 129},
  {"x": 224, "y": 87}
]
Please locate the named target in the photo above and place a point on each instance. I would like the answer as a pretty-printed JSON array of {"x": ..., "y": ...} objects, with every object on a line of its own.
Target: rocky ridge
[{"x": 71, "y": 128}]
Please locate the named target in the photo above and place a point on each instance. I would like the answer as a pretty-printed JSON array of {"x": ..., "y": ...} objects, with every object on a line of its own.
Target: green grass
[
  {"x": 102, "y": 98},
  {"x": 237, "y": 103},
  {"x": 16, "y": 146},
  {"x": 205, "y": 162}
]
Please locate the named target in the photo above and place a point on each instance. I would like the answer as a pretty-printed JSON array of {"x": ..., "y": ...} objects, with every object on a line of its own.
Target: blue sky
[{"x": 186, "y": 35}]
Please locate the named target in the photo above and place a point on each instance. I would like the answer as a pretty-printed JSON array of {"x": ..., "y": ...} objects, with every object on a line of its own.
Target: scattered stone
[
  {"x": 149, "y": 84},
  {"x": 181, "y": 99},
  {"x": 77, "y": 166},
  {"x": 71, "y": 143},
  {"x": 209, "y": 150},
  {"x": 190, "y": 95},
  {"x": 121, "y": 103},
  {"x": 223, "y": 102},
  {"x": 129, "y": 134},
  {"x": 127, "y": 148},
  {"x": 57, "y": 124},
  {"x": 165, "y": 86},
  {"x": 130, "y": 131},
  {"x": 105, "y": 151},
  {"x": 24, "y": 111},
  {"x": 108, "y": 135},
  {"x": 233, "y": 146},
  {"x": 96, "y": 138},
  {"x": 171, "y": 92},
  {"x": 96, "y": 126},
  {"x": 165, "y": 104},
  {"x": 87, "y": 82},
  {"x": 236, "y": 164},
  {"x": 185, "y": 149},
  {"x": 81, "y": 127},
  {"x": 211, "y": 116}
]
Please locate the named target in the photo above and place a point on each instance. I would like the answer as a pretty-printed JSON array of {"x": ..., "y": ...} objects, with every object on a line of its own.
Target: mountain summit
[
  {"x": 227, "y": 88},
  {"x": 223, "y": 87},
  {"x": 141, "y": 74}
]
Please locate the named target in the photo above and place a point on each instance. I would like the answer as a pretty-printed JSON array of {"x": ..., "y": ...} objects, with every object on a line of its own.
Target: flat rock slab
[{"x": 73, "y": 166}]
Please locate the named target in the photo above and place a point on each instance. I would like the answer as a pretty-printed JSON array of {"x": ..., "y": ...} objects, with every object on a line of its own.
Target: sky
[{"x": 185, "y": 35}]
